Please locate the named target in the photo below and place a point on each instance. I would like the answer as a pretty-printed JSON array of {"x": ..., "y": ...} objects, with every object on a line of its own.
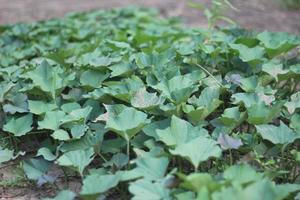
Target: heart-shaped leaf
[
  {"x": 198, "y": 150},
  {"x": 147, "y": 190},
  {"x": 98, "y": 183},
  {"x": 180, "y": 132},
  {"x": 277, "y": 134},
  {"x": 40, "y": 107},
  {"x": 19, "y": 126},
  {"x": 78, "y": 159},
  {"x": 52, "y": 120},
  {"x": 48, "y": 78},
  {"x": 127, "y": 123}
]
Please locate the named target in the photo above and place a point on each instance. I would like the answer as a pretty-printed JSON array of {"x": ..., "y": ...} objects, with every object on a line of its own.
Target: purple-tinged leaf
[
  {"x": 45, "y": 179},
  {"x": 228, "y": 142}
]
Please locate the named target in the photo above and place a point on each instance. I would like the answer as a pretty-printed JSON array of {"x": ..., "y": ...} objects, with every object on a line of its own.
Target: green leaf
[
  {"x": 251, "y": 99},
  {"x": 151, "y": 129},
  {"x": 274, "y": 69},
  {"x": 52, "y": 120},
  {"x": 199, "y": 181},
  {"x": 6, "y": 155},
  {"x": 103, "y": 61},
  {"x": 262, "y": 114},
  {"x": 248, "y": 99},
  {"x": 151, "y": 168},
  {"x": 118, "y": 160},
  {"x": 231, "y": 116},
  {"x": 5, "y": 87},
  {"x": 60, "y": 134},
  {"x": 144, "y": 100},
  {"x": 249, "y": 84},
  {"x": 185, "y": 195},
  {"x": 40, "y": 107},
  {"x": 35, "y": 168},
  {"x": 178, "y": 89},
  {"x": 111, "y": 111},
  {"x": 99, "y": 183},
  {"x": 267, "y": 190},
  {"x": 152, "y": 59},
  {"x": 121, "y": 69},
  {"x": 180, "y": 132},
  {"x": 96, "y": 59},
  {"x": 81, "y": 114},
  {"x": 277, "y": 134},
  {"x": 127, "y": 123},
  {"x": 78, "y": 130},
  {"x": 69, "y": 107},
  {"x": 92, "y": 78},
  {"x": 292, "y": 71},
  {"x": 277, "y": 43},
  {"x": 262, "y": 189},
  {"x": 205, "y": 104},
  {"x": 19, "y": 126},
  {"x": 294, "y": 103},
  {"x": 93, "y": 137},
  {"x": 46, "y": 153},
  {"x": 97, "y": 94},
  {"x": 206, "y": 98},
  {"x": 248, "y": 54},
  {"x": 241, "y": 174},
  {"x": 187, "y": 48},
  {"x": 49, "y": 78},
  {"x": 147, "y": 190},
  {"x": 78, "y": 159},
  {"x": 198, "y": 150},
  {"x": 295, "y": 123},
  {"x": 18, "y": 104},
  {"x": 124, "y": 89}
]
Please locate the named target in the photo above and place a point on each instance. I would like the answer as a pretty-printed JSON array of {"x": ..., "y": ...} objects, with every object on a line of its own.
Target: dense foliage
[{"x": 144, "y": 108}]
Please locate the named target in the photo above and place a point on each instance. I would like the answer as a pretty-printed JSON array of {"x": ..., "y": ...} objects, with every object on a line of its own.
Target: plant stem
[
  {"x": 128, "y": 148},
  {"x": 230, "y": 156},
  {"x": 101, "y": 156},
  {"x": 128, "y": 152},
  {"x": 212, "y": 76}
]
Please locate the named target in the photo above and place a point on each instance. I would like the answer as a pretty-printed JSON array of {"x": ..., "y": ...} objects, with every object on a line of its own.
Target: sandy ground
[{"x": 252, "y": 14}]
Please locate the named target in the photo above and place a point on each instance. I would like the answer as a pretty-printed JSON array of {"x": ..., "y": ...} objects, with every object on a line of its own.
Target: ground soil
[{"x": 252, "y": 14}]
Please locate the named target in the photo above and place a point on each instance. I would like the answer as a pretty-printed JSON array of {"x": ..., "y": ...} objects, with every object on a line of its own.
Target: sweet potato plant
[{"x": 141, "y": 107}]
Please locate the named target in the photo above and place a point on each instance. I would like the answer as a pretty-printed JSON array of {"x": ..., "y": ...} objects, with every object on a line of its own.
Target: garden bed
[{"x": 126, "y": 104}]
